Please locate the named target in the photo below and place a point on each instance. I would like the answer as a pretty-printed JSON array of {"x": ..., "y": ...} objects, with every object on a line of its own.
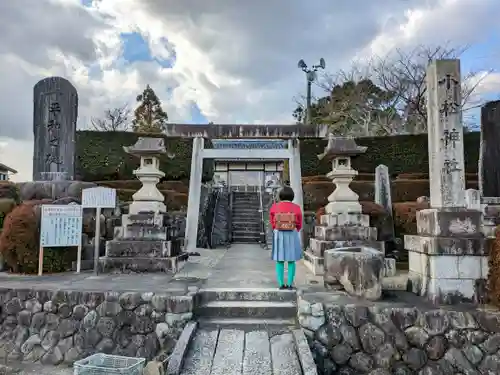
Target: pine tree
[{"x": 149, "y": 116}]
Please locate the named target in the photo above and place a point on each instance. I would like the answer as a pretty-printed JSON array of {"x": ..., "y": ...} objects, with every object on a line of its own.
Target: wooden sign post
[{"x": 98, "y": 198}]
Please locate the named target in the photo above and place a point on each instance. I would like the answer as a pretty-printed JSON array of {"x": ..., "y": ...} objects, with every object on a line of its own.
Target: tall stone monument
[
  {"x": 448, "y": 258},
  {"x": 489, "y": 168},
  {"x": 55, "y": 114},
  {"x": 383, "y": 197}
]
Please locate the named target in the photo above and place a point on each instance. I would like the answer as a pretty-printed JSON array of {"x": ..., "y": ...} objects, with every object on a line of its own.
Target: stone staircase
[
  {"x": 246, "y": 308},
  {"x": 246, "y": 218},
  {"x": 246, "y": 332}
]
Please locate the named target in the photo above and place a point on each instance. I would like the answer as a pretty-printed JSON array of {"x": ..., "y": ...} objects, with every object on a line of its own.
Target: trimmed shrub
[
  {"x": 425, "y": 176},
  {"x": 494, "y": 270},
  {"x": 316, "y": 192},
  {"x": 360, "y": 177},
  {"x": 405, "y": 217},
  {"x": 9, "y": 190},
  {"x": 412, "y": 176},
  {"x": 6, "y": 206},
  {"x": 100, "y": 156},
  {"x": 401, "y": 154},
  {"x": 178, "y": 186},
  {"x": 20, "y": 241}
]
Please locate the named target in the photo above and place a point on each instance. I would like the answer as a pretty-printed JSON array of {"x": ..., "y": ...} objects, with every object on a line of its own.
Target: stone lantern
[
  {"x": 340, "y": 150},
  {"x": 148, "y": 198}
]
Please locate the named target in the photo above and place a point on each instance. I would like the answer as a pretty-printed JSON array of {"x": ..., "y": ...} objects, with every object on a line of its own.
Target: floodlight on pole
[{"x": 310, "y": 77}]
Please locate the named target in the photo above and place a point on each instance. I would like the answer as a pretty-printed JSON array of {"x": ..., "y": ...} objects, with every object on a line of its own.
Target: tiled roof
[{"x": 3, "y": 167}]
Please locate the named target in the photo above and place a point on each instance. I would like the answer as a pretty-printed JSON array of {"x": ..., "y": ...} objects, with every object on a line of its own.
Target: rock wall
[
  {"x": 62, "y": 327},
  {"x": 379, "y": 339}
]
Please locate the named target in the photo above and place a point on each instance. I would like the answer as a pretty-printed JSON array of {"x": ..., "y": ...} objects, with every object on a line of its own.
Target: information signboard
[
  {"x": 99, "y": 197},
  {"x": 61, "y": 226}
]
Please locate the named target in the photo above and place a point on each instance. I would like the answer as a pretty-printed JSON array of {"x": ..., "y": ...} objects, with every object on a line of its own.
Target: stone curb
[
  {"x": 176, "y": 360},
  {"x": 304, "y": 353}
]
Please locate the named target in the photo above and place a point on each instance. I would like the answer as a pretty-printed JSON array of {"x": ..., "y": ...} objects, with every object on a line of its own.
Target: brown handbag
[{"x": 285, "y": 221}]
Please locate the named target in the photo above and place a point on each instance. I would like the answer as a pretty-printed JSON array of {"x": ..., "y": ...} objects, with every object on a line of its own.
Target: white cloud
[
  {"x": 235, "y": 60},
  {"x": 488, "y": 83}
]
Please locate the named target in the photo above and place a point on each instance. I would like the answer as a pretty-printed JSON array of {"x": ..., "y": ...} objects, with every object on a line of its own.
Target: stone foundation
[
  {"x": 56, "y": 327},
  {"x": 388, "y": 338},
  {"x": 145, "y": 242},
  {"x": 448, "y": 259}
]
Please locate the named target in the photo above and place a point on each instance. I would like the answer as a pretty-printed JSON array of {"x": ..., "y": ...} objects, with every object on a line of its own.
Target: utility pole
[{"x": 310, "y": 77}]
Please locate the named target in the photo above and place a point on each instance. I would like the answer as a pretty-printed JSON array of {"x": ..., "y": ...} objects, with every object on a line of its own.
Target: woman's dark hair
[{"x": 286, "y": 194}]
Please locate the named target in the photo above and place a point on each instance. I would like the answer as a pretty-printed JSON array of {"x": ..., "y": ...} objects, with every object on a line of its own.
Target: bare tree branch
[
  {"x": 116, "y": 119},
  {"x": 402, "y": 74}
]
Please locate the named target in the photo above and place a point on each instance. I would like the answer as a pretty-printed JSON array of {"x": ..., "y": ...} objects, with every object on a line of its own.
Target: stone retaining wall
[
  {"x": 64, "y": 326},
  {"x": 378, "y": 339}
]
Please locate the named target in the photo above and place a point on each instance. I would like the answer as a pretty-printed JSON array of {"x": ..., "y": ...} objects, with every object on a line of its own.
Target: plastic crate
[{"x": 106, "y": 364}]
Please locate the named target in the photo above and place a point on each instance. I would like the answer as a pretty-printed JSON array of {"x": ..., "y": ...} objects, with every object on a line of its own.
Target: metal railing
[{"x": 262, "y": 221}]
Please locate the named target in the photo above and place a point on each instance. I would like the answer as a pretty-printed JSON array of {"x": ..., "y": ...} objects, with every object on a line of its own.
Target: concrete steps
[
  {"x": 245, "y": 228},
  {"x": 246, "y": 218},
  {"x": 258, "y": 352},
  {"x": 247, "y": 324},
  {"x": 243, "y": 331},
  {"x": 246, "y": 308}
]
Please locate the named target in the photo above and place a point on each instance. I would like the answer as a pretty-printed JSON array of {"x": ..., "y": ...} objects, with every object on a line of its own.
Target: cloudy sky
[{"x": 226, "y": 61}]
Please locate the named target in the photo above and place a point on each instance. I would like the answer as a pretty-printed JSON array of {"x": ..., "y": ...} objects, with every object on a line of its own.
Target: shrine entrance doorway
[
  {"x": 239, "y": 175},
  {"x": 249, "y": 144}
]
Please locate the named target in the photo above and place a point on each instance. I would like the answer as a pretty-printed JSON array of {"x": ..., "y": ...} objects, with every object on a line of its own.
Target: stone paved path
[
  {"x": 235, "y": 352},
  {"x": 244, "y": 266},
  {"x": 240, "y": 266},
  {"x": 34, "y": 369}
]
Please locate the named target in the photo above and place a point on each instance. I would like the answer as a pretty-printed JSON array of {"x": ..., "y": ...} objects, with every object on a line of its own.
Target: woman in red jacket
[{"x": 286, "y": 221}]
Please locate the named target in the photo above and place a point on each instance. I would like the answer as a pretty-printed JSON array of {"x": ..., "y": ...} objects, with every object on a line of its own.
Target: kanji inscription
[
  {"x": 54, "y": 127},
  {"x": 450, "y": 137}
]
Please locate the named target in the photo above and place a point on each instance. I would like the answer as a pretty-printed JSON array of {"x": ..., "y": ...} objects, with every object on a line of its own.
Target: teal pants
[{"x": 280, "y": 272}]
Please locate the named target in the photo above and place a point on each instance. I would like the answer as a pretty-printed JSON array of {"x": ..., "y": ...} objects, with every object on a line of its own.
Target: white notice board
[
  {"x": 99, "y": 197},
  {"x": 61, "y": 226}
]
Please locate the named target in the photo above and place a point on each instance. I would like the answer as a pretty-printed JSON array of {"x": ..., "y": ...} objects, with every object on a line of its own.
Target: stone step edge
[
  {"x": 246, "y": 235},
  {"x": 176, "y": 359},
  {"x": 245, "y": 290},
  {"x": 253, "y": 304},
  {"x": 303, "y": 350},
  {"x": 247, "y": 323},
  {"x": 246, "y": 294}
]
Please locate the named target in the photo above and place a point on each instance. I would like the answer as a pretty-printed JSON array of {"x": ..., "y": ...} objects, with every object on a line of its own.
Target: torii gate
[{"x": 292, "y": 133}]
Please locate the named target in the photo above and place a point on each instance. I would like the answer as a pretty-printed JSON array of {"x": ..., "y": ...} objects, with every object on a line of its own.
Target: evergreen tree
[{"x": 149, "y": 116}]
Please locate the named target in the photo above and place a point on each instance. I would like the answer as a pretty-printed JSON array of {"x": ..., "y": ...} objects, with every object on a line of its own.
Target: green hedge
[
  {"x": 402, "y": 154},
  {"x": 100, "y": 157}
]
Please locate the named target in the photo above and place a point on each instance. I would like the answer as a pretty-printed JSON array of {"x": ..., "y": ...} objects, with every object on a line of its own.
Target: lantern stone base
[
  {"x": 137, "y": 207},
  {"x": 341, "y": 207},
  {"x": 146, "y": 242},
  {"x": 140, "y": 265}
]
